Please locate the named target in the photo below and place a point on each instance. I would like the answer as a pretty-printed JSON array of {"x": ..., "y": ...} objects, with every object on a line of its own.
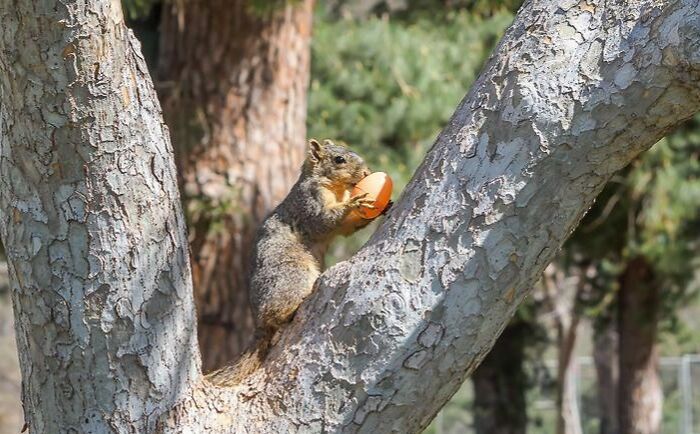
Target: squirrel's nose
[{"x": 365, "y": 173}]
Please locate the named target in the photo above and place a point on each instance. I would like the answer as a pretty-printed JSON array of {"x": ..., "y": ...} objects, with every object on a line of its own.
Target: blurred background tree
[
  {"x": 503, "y": 378},
  {"x": 643, "y": 235}
]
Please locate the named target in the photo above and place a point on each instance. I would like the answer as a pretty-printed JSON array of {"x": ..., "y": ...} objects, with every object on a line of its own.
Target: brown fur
[
  {"x": 245, "y": 365},
  {"x": 289, "y": 247}
]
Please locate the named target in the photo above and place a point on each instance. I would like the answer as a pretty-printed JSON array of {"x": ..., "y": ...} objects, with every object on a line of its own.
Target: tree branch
[
  {"x": 93, "y": 226},
  {"x": 573, "y": 92}
]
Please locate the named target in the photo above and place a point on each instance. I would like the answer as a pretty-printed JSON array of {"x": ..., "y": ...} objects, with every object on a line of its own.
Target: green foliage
[
  {"x": 211, "y": 214},
  {"x": 474, "y": 7},
  {"x": 394, "y": 84},
  {"x": 684, "y": 337},
  {"x": 665, "y": 186},
  {"x": 138, "y": 9},
  {"x": 410, "y": 10},
  {"x": 387, "y": 87}
]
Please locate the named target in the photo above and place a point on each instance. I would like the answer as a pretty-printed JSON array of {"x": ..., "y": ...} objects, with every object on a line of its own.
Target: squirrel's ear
[{"x": 315, "y": 150}]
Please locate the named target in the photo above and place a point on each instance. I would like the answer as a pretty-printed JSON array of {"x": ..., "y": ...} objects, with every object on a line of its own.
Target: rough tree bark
[
  {"x": 572, "y": 93},
  {"x": 91, "y": 220},
  {"x": 233, "y": 84},
  {"x": 640, "y": 396},
  {"x": 500, "y": 383}
]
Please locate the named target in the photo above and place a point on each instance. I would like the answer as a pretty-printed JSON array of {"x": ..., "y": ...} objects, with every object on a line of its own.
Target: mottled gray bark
[
  {"x": 92, "y": 224},
  {"x": 573, "y": 92}
]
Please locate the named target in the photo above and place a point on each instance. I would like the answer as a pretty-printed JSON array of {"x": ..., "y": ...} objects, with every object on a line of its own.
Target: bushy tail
[{"x": 245, "y": 365}]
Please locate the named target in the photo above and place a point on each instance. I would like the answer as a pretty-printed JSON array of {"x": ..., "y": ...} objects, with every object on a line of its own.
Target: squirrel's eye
[{"x": 339, "y": 160}]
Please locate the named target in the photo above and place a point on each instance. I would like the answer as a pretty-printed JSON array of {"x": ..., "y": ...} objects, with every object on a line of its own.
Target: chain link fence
[{"x": 680, "y": 378}]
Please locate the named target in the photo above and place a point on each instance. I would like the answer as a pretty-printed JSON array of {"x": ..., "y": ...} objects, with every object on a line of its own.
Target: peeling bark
[
  {"x": 91, "y": 220},
  {"x": 233, "y": 85},
  {"x": 573, "y": 92}
]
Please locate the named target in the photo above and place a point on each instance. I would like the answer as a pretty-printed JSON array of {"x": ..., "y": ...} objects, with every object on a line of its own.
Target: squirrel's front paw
[{"x": 361, "y": 201}]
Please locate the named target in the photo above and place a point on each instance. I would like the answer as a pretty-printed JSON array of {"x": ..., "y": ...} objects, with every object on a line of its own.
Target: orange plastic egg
[{"x": 378, "y": 187}]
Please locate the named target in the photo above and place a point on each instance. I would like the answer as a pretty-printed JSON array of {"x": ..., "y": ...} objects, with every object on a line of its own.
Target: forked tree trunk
[
  {"x": 93, "y": 230},
  {"x": 640, "y": 395},
  {"x": 233, "y": 82},
  {"x": 500, "y": 384}
]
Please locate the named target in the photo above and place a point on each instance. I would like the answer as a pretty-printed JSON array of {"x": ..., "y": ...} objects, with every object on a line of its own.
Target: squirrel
[{"x": 288, "y": 250}]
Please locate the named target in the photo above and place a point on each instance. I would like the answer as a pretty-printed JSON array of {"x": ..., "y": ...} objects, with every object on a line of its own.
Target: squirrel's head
[{"x": 334, "y": 165}]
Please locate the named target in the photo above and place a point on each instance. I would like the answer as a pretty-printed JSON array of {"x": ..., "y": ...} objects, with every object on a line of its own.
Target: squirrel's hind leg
[{"x": 280, "y": 290}]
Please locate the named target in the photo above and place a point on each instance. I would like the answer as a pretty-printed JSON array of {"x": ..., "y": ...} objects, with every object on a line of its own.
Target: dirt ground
[{"x": 11, "y": 420}]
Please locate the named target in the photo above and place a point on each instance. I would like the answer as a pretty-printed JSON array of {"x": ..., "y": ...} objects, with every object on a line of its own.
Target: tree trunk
[
  {"x": 91, "y": 219},
  {"x": 573, "y": 93},
  {"x": 563, "y": 289},
  {"x": 500, "y": 384},
  {"x": 568, "y": 415},
  {"x": 605, "y": 357},
  {"x": 233, "y": 83},
  {"x": 640, "y": 394}
]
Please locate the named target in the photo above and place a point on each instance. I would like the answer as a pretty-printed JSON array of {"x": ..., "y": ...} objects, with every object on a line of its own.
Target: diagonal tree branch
[{"x": 574, "y": 91}]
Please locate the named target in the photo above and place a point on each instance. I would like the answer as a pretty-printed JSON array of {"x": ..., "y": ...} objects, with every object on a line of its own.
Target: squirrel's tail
[{"x": 245, "y": 365}]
